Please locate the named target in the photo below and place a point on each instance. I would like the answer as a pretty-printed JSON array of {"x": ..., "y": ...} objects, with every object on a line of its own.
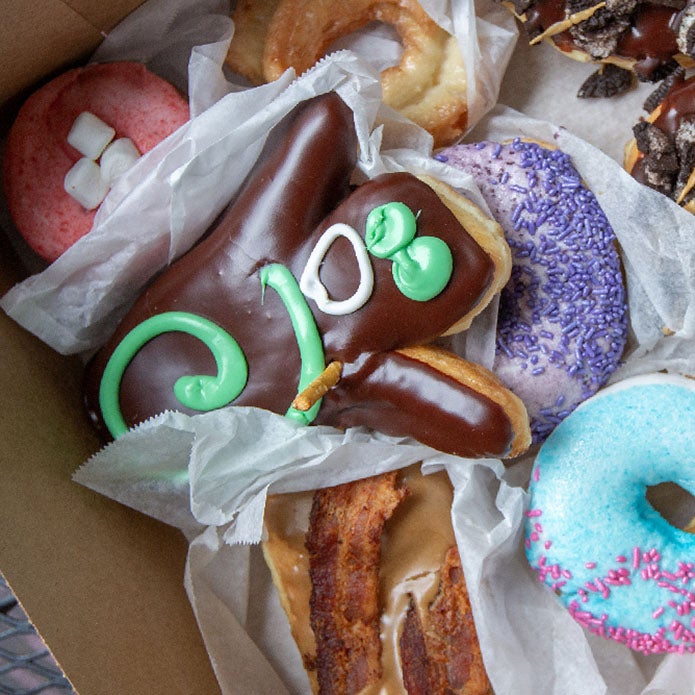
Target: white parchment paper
[
  {"x": 160, "y": 208},
  {"x": 209, "y": 475}
]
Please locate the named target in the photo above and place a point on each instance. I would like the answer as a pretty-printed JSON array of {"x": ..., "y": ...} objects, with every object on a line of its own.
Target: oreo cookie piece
[
  {"x": 685, "y": 29},
  {"x": 661, "y": 72},
  {"x": 660, "y": 159},
  {"x": 662, "y": 153},
  {"x": 637, "y": 35},
  {"x": 657, "y": 96},
  {"x": 685, "y": 151},
  {"x": 608, "y": 81}
]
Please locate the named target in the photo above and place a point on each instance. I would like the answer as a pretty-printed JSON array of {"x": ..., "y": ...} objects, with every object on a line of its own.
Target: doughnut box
[
  {"x": 101, "y": 583},
  {"x": 140, "y": 561}
]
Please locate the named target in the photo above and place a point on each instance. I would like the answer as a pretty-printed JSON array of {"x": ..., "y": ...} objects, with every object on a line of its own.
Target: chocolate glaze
[
  {"x": 650, "y": 40},
  {"x": 542, "y": 14},
  {"x": 678, "y": 104},
  {"x": 393, "y": 393},
  {"x": 393, "y": 320},
  {"x": 299, "y": 188}
]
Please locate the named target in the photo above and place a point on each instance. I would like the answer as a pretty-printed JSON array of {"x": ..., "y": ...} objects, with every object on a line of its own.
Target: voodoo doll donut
[{"x": 302, "y": 273}]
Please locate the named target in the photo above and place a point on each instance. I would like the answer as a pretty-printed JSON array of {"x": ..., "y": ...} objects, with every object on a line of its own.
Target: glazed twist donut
[
  {"x": 428, "y": 85},
  {"x": 622, "y": 570}
]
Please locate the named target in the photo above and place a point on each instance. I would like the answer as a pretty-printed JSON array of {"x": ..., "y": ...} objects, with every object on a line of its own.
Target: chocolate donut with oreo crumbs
[
  {"x": 643, "y": 39},
  {"x": 662, "y": 153}
]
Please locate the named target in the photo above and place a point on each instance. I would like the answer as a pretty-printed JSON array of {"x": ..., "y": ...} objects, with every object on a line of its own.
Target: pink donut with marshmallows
[{"x": 126, "y": 97}]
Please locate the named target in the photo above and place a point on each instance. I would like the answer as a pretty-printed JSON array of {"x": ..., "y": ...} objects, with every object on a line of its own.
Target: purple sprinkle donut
[{"x": 562, "y": 324}]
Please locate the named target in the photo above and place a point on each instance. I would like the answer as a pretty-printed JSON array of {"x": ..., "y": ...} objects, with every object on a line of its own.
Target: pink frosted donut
[{"x": 133, "y": 101}]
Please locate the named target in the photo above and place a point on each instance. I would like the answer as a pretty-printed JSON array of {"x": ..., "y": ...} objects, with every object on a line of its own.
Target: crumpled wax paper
[
  {"x": 211, "y": 480},
  {"x": 175, "y": 191},
  {"x": 216, "y": 496},
  {"x": 530, "y": 642},
  {"x": 209, "y": 475}
]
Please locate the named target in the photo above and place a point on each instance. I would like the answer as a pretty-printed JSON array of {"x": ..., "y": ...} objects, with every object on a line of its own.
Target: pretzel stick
[
  {"x": 567, "y": 23},
  {"x": 328, "y": 378}
]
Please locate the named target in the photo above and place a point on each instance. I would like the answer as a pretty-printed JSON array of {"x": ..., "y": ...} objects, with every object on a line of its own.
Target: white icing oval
[{"x": 311, "y": 285}]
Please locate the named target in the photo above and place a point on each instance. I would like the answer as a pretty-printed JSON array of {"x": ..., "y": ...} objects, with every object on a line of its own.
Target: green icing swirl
[
  {"x": 306, "y": 332},
  {"x": 202, "y": 392}
]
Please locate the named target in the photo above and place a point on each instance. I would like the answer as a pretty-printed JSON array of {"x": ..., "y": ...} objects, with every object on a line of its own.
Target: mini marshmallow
[
  {"x": 89, "y": 135},
  {"x": 85, "y": 184},
  {"x": 117, "y": 158}
]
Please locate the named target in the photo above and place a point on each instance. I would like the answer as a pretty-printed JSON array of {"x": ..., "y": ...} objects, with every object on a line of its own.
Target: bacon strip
[
  {"x": 344, "y": 545},
  {"x": 442, "y": 656},
  {"x": 417, "y": 672}
]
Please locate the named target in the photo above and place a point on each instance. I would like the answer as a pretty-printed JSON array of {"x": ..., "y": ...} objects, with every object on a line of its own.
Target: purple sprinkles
[{"x": 562, "y": 324}]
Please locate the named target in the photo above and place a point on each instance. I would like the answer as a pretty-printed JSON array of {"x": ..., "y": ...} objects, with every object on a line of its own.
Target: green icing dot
[
  {"x": 389, "y": 228},
  {"x": 422, "y": 267}
]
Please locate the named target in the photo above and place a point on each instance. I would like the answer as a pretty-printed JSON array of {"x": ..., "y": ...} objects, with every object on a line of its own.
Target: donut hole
[
  {"x": 377, "y": 42},
  {"x": 674, "y": 503}
]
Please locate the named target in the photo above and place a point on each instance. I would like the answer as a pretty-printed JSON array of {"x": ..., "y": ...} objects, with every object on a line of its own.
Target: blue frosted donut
[
  {"x": 620, "y": 568},
  {"x": 562, "y": 324}
]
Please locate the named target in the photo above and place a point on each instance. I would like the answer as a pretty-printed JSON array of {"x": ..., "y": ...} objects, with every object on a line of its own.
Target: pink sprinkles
[{"x": 645, "y": 565}]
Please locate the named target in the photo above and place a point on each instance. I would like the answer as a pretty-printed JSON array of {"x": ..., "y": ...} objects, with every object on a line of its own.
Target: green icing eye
[
  {"x": 390, "y": 227},
  {"x": 422, "y": 267}
]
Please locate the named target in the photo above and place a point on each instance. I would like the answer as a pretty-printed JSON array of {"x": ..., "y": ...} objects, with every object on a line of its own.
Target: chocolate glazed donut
[
  {"x": 241, "y": 282},
  {"x": 643, "y": 39}
]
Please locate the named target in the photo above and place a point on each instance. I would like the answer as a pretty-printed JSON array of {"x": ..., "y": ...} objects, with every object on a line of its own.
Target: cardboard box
[{"x": 103, "y": 584}]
